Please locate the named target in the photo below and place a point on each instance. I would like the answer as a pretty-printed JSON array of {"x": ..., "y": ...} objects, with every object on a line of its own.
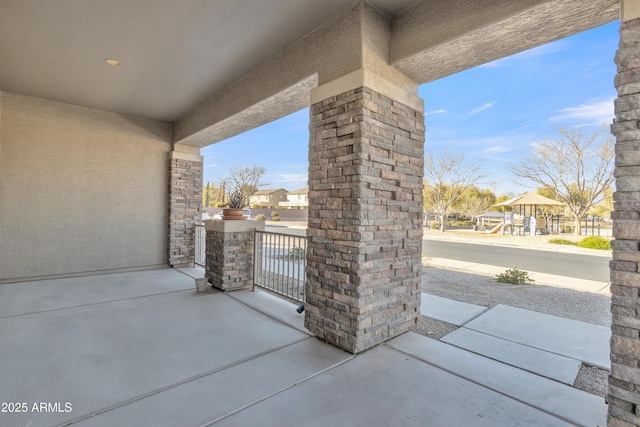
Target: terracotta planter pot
[{"x": 233, "y": 214}]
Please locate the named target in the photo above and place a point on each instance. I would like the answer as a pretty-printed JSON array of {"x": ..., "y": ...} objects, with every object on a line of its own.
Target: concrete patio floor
[{"x": 143, "y": 348}]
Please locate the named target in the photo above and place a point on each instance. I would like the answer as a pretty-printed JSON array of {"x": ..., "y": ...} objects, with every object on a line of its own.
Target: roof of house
[
  {"x": 270, "y": 191},
  {"x": 304, "y": 190}
]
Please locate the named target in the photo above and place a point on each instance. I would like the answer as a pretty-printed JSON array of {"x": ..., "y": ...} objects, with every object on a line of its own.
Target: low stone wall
[{"x": 229, "y": 253}]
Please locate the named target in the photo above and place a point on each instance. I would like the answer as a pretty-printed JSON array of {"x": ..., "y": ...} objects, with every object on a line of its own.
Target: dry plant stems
[
  {"x": 236, "y": 200},
  {"x": 514, "y": 276}
]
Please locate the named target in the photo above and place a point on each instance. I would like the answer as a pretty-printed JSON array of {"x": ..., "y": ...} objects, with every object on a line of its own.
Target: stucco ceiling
[
  {"x": 174, "y": 54},
  {"x": 213, "y": 66}
]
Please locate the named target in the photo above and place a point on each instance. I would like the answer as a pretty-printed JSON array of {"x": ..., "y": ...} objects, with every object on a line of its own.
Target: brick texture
[
  {"x": 624, "y": 380},
  {"x": 229, "y": 260},
  {"x": 366, "y": 160},
  {"x": 185, "y": 202}
]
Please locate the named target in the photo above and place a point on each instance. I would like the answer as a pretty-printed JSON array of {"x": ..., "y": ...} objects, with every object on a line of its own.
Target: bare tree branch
[
  {"x": 447, "y": 177},
  {"x": 246, "y": 180},
  {"x": 576, "y": 168}
]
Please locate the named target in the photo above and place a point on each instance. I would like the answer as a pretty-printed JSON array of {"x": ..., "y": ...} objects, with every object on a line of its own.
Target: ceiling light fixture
[{"x": 113, "y": 62}]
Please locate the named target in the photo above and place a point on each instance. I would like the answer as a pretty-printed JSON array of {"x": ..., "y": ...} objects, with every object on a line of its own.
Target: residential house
[
  {"x": 268, "y": 199},
  {"x": 298, "y": 199}
]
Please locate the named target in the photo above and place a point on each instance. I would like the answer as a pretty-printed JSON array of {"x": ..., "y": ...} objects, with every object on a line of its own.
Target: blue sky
[{"x": 491, "y": 113}]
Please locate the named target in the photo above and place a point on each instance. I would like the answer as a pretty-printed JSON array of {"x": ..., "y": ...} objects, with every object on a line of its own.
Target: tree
[
  {"x": 501, "y": 199},
  {"x": 245, "y": 179},
  {"x": 604, "y": 208},
  {"x": 475, "y": 201},
  {"x": 547, "y": 212},
  {"x": 447, "y": 176},
  {"x": 212, "y": 196},
  {"x": 576, "y": 168}
]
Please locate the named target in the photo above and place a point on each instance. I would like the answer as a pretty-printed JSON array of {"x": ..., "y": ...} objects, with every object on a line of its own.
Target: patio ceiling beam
[
  {"x": 434, "y": 39},
  {"x": 430, "y": 40},
  {"x": 277, "y": 87}
]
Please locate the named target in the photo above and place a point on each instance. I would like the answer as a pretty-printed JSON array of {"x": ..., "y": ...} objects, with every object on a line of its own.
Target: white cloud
[
  {"x": 591, "y": 114},
  {"x": 429, "y": 113},
  {"x": 482, "y": 146},
  {"x": 290, "y": 181},
  {"x": 499, "y": 149},
  {"x": 482, "y": 108}
]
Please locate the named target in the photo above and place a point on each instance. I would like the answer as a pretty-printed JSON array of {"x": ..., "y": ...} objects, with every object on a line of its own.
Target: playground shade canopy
[{"x": 530, "y": 199}]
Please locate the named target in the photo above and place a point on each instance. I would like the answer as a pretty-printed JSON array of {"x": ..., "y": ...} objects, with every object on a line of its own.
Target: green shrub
[
  {"x": 562, "y": 242},
  {"x": 260, "y": 217},
  {"x": 434, "y": 225},
  {"x": 514, "y": 276},
  {"x": 595, "y": 242},
  {"x": 275, "y": 216},
  {"x": 296, "y": 253}
]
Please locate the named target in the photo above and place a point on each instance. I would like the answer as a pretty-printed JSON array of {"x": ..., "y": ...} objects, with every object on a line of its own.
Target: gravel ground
[{"x": 484, "y": 290}]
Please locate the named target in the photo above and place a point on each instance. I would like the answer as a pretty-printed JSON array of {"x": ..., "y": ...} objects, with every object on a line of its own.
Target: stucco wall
[{"x": 81, "y": 190}]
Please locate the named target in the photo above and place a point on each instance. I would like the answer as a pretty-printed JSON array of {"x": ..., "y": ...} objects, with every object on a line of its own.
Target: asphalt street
[{"x": 580, "y": 266}]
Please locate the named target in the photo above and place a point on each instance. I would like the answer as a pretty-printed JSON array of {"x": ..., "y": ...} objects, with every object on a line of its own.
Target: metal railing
[
  {"x": 200, "y": 244},
  {"x": 279, "y": 264}
]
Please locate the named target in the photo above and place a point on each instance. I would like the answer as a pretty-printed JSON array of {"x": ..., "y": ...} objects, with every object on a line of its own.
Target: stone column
[
  {"x": 366, "y": 160},
  {"x": 624, "y": 379},
  {"x": 229, "y": 253},
  {"x": 185, "y": 202}
]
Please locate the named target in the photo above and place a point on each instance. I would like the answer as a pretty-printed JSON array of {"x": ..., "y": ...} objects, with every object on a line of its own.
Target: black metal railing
[{"x": 279, "y": 264}]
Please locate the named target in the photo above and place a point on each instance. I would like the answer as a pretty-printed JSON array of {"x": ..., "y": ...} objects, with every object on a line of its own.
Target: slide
[{"x": 496, "y": 229}]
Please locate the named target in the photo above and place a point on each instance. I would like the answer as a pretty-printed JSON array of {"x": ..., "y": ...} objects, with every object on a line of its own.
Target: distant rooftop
[
  {"x": 270, "y": 191},
  {"x": 304, "y": 190}
]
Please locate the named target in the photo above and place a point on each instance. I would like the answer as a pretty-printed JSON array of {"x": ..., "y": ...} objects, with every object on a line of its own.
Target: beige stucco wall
[{"x": 81, "y": 190}]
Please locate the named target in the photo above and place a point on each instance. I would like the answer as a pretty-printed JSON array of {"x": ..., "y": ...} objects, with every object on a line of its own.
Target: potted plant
[{"x": 234, "y": 206}]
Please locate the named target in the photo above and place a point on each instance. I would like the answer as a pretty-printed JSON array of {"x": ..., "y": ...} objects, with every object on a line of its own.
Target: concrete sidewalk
[
  {"x": 549, "y": 346},
  {"x": 143, "y": 348}
]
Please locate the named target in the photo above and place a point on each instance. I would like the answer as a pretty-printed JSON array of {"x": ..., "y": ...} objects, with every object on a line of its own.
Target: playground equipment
[{"x": 496, "y": 229}]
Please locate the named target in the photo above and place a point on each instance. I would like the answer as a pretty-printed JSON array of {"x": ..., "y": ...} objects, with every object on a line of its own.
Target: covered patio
[
  {"x": 104, "y": 107},
  {"x": 145, "y": 349}
]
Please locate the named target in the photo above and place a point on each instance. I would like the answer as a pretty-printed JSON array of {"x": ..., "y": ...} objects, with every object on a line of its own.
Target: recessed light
[{"x": 113, "y": 62}]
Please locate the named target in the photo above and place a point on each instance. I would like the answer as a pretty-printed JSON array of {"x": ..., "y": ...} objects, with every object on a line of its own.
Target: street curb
[{"x": 521, "y": 245}]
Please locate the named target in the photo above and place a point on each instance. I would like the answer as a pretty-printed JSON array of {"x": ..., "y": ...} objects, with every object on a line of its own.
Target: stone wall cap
[{"x": 233, "y": 226}]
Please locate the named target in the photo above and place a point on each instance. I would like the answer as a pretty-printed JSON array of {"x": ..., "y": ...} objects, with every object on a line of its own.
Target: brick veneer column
[
  {"x": 185, "y": 202},
  {"x": 624, "y": 379},
  {"x": 366, "y": 160},
  {"x": 229, "y": 253}
]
